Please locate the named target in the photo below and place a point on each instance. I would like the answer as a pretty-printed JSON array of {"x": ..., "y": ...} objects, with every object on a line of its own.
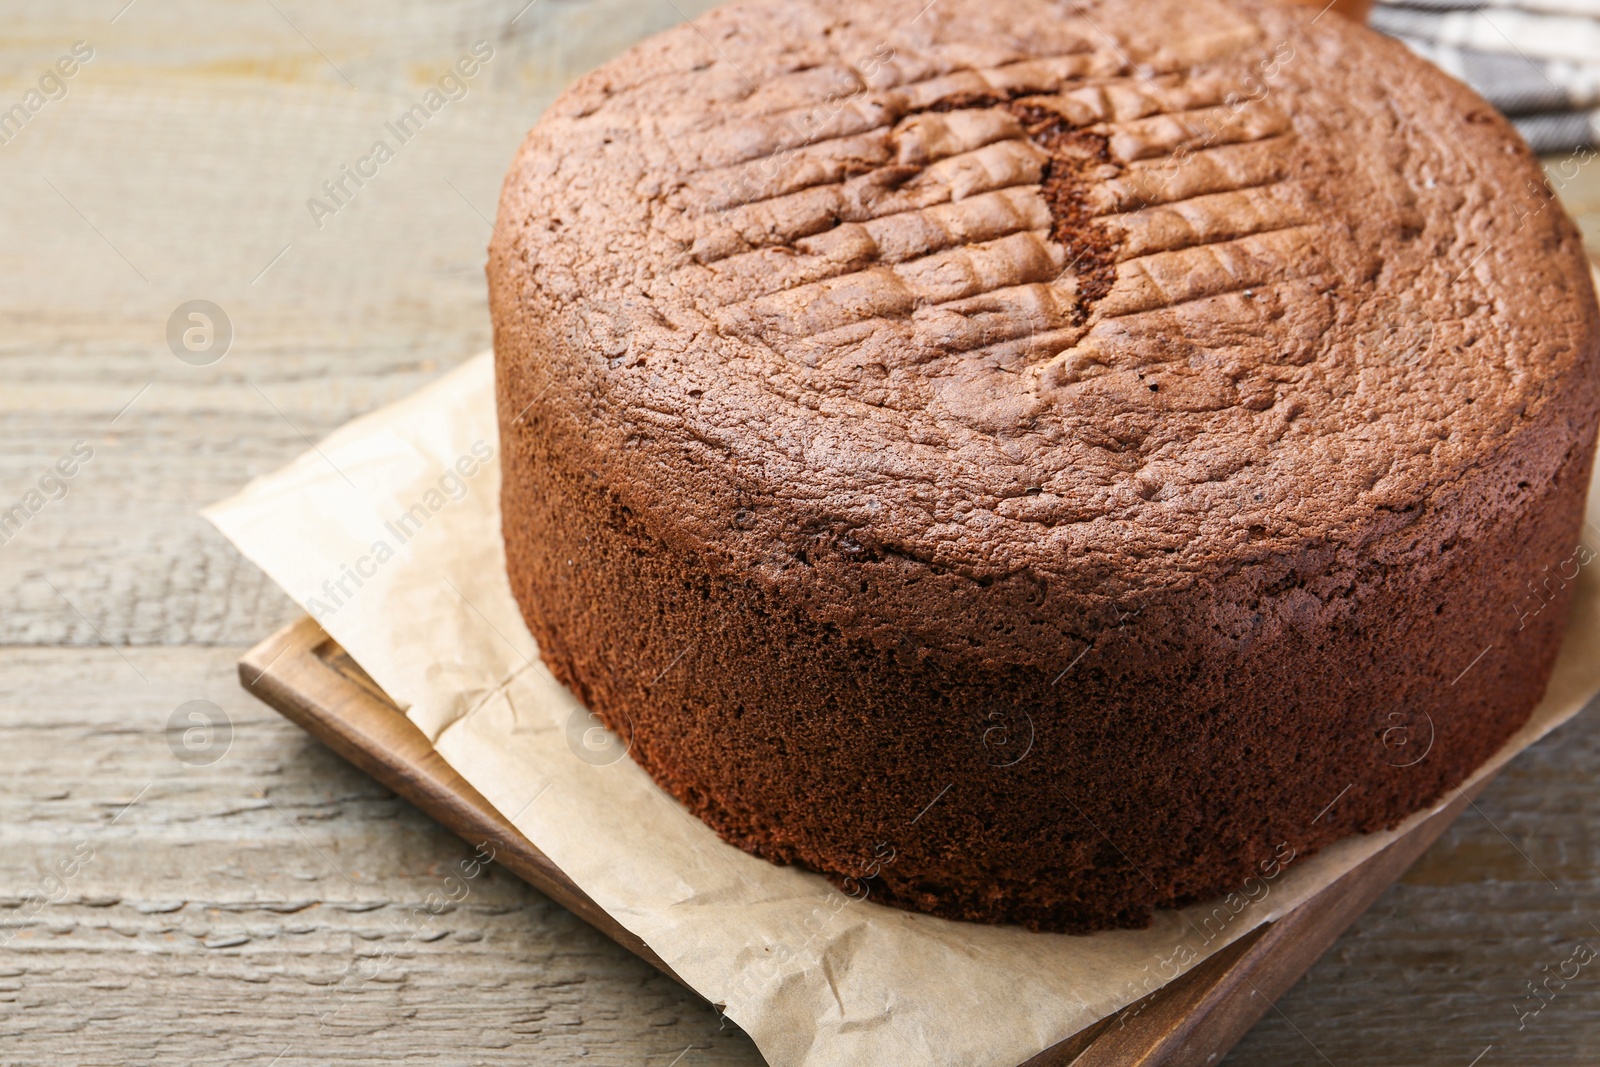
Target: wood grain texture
[
  {"x": 233, "y": 906},
  {"x": 178, "y": 167}
]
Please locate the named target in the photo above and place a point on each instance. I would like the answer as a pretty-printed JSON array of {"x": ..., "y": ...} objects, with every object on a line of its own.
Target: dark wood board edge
[{"x": 1189, "y": 1022}]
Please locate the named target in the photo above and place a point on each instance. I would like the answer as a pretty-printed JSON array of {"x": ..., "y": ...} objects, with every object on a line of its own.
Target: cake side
[{"x": 1143, "y": 767}]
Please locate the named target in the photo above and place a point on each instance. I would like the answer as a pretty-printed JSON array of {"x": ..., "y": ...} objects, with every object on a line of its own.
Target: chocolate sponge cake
[{"x": 1039, "y": 462}]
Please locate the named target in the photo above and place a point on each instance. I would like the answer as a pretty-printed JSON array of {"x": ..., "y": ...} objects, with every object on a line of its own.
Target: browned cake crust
[{"x": 1050, "y": 458}]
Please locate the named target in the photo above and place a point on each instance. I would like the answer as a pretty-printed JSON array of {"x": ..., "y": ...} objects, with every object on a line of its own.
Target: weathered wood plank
[
  {"x": 233, "y": 906},
  {"x": 179, "y": 166}
]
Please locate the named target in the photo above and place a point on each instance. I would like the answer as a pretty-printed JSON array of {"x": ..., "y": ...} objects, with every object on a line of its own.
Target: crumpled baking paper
[{"x": 388, "y": 532}]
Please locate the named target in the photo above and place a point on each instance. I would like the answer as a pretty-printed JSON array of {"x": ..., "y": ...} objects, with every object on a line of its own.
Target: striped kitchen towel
[{"x": 1538, "y": 61}]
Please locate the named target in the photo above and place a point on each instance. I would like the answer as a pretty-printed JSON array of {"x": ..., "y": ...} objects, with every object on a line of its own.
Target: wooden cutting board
[{"x": 1192, "y": 1022}]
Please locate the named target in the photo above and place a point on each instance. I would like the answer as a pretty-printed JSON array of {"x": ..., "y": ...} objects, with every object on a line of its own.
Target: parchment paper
[{"x": 388, "y": 533}]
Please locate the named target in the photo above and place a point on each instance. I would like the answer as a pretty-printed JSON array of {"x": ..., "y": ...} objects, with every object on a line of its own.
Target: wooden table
[{"x": 244, "y": 910}]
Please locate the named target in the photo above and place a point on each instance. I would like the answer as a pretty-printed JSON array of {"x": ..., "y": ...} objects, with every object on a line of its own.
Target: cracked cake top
[{"x": 1004, "y": 285}]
